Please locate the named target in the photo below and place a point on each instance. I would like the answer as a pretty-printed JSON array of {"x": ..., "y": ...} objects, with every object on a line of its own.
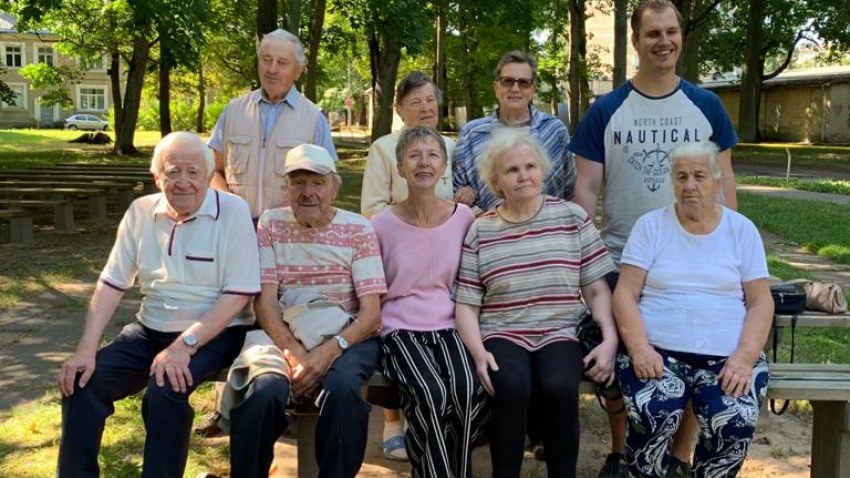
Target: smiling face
[
  {"x": 519, "y": 176},
  {"x": 311, "y": 196},
  {"x": 658, "y": 42},
  {"x": 419, "y": 107},
  {"x": 278, "y": 67},
  {"x": 694, "y": 185},
  {"x": 422, "y": 164},
  {"x": 512, "y": 97},
  {"x": 183, "y": 179}
]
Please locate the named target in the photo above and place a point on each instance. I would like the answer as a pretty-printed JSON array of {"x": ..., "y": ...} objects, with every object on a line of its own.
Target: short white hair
[
  {"x": 183, "y": 138},
  {"x": 693, "y": 150},
  {"x": 502, "y": 141},
  {"x": 281, "y": 34}
]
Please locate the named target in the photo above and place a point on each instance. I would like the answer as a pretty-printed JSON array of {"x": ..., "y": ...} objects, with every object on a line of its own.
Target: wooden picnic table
[
  {"x": 96, "y": 196},
  {"x": 63, "y": 210},
  {"x": 122, "y": 191},
  {"x": 59, "y": 175}
]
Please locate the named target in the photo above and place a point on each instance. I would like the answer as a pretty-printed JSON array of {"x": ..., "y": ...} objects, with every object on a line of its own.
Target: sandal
[{"x": 394, "y": 448}]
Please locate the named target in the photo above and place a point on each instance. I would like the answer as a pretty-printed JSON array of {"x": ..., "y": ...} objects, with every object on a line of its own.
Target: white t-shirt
[{"x": 693, "y": 298}]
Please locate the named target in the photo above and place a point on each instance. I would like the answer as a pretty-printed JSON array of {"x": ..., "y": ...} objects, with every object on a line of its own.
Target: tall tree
[
  {"x": 316, "y": 29},
  {"x": 752, "y": 74},
  {"x": 621, "y": 41},
  {"x": 266, "y": 17},
  {"x": 579, "y": 87}
]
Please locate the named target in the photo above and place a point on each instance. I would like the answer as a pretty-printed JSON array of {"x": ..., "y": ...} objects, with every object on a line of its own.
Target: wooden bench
[
  {"x": 122, "y": 192},
  {"x": 308, "y": 418},
  {"x": 20, "y": 225},
  {"x": 814, "y": 319},
  {"x": 63, "y": 210},
  {"x": 95, "y": 196},
  {"x": 827, "y": 388},
  {"x": 146, "y": 181}
]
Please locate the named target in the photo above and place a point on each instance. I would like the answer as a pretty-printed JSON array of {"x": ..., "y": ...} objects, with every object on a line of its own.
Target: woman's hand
[
  {"x": 736, "y": 375},
  {"x": 599, "y": 363},
  {"x": 483, "y": 365},
  {"x": 647, "y": 362}
]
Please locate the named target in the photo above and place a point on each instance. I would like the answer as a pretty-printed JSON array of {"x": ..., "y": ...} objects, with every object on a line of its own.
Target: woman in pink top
[{"x": 421, "y": 239}]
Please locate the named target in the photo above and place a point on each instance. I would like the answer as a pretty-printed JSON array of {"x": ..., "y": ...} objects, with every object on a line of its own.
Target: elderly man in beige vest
[{"x": 256, "y": 130}]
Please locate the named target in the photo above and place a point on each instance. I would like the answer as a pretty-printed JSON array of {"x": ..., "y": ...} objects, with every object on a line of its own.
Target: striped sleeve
[
  {"x": 595, "y": 260},
  {"x": 468, "y": 288}
]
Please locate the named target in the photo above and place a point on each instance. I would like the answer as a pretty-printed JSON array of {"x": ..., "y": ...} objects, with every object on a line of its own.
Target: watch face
[
  {"x": 190, "y": 340},
  {"x": 343, "y": 344}
]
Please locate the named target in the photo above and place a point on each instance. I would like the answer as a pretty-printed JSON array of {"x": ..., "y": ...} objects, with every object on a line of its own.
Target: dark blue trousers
[
  {"x": 122, "y": 368},
  {"x": 341, "y": 433}
]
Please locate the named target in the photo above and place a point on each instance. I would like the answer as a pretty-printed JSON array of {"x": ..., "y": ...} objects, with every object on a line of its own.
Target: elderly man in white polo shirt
[
  {"x": 314, "y": 246},
  {"x": 186, "y": 246}
]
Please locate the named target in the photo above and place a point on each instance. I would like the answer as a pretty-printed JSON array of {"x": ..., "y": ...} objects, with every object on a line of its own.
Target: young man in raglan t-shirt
[{"x": 623, "y": 149}]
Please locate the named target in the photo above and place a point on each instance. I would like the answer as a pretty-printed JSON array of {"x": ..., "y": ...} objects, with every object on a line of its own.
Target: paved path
[{"x": 793, "y": 194}]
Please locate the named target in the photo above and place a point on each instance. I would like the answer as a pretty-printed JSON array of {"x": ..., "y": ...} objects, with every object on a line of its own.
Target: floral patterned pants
[{"x": 655, "y": 408}]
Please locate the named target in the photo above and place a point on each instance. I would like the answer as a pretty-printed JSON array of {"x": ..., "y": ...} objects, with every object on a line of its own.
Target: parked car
[{"x": 80, "y": 121}]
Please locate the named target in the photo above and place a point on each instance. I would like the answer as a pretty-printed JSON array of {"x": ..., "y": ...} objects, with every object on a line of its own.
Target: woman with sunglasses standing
[{"x": 515, "y": 82}]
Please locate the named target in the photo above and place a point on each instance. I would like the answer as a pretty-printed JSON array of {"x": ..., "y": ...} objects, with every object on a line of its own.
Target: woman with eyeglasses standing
[{"x": 515, "y": 82}]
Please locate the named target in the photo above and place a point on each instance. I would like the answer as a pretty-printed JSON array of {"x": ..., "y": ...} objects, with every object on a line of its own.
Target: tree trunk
[
  {"x": 385, "y": 56},
  {"x": 621, "y": 41},
  {"x": 439, "y": 75},
  {"x": 164, "y": 87},
  {"x": 200, "y": 127},
  {"x": 266, "y": 17},
  {"x": 316, "y": 29},
  {"x": 578, "y": 68},
  {"x": 294, "y": 16},
  {"x": 748, "y": 116},
  {"x": 114, "y": 73},
  {"x": 133, "y": 94},
  {"x": 467, "y": 36}
]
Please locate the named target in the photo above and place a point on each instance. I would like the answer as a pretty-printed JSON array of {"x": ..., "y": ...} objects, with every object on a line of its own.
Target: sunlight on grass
[
  {"x": 817, "y": 185},
  {"x": 29, "y": 439}
]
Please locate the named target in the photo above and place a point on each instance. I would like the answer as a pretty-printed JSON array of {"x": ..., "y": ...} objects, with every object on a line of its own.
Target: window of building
[
  {"x": 91, "y": 98},
  {"x": 95, "y": 64},
  {"x": 20, "y": 100},
  {"x": 44, "y": 54},
  {"x": 13, "y": 55}
]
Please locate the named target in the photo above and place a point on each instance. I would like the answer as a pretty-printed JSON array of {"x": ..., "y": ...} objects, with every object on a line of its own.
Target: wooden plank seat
[
  {"x": 146, "y": 181},
  {"x": 20, "y": 225},
  {"x": 122, "y": 192},
  {"x": 814, "y": 319},
  {"x": 308, "y": 417},
  {"x": 95, "y": 196},
  {"x": 62, "y": 209},
  {"x": 827, "y": 388}
]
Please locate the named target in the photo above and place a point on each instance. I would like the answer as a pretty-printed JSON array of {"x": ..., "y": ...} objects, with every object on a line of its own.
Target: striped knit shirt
[
  {"x": 341, "y": 260},
  {"x": 526, "y": 277},
  {"x": 551, "y": 133}
]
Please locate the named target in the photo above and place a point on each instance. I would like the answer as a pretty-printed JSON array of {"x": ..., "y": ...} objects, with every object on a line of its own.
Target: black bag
[
  {"x": 788, "y": 298},
  {"x": 589, "y": 335}
]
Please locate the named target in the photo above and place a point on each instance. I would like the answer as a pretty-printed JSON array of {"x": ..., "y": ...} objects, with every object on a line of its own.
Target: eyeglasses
[{"x": 508, "y": 82}]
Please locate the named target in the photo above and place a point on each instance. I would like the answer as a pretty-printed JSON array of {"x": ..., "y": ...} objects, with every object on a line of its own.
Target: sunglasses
[{"x": 508, "y": 82}]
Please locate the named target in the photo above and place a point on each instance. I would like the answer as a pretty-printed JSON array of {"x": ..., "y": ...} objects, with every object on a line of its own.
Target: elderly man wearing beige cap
[{"x": 314, "y": 246}]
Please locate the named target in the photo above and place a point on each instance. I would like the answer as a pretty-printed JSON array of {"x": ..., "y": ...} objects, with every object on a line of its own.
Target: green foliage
[
  {"x": 54, "y": 80},
  {"x": 820, "y": 227},
  {"x": 6, "y": 93}
]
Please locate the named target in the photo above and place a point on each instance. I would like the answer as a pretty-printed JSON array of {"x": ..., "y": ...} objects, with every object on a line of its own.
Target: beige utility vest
[{"x": 253, "y": 170}]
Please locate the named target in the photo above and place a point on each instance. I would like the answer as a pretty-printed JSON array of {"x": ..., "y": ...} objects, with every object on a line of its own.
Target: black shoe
[
  {"x": 614, "y": 467},
  {"x": 209, "y": 427},
  {"x": 678, "y": 469}
]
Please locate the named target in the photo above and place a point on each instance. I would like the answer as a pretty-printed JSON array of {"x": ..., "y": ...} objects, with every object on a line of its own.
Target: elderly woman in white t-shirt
[{"x": 694, "y": 309}]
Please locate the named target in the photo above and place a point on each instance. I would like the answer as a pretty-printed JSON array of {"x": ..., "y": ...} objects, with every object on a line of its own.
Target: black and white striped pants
[{"x": 441, "y": 397}]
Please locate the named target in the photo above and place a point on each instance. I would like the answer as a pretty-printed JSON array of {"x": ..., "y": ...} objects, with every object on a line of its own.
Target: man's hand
[
  {"x": 309, "y": 372},
  {"x": 80, "y": 362},
  {"x": 173, "y": 362},
  {"x": 465, "y": 195}
]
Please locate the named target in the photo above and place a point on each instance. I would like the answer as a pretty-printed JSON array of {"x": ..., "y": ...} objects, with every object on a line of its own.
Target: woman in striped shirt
[{"x": 525, "y": 267}]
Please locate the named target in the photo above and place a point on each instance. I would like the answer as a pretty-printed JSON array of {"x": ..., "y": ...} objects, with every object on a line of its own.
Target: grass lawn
[
  {"x": 830, "y": 186},
  {"x": 776, "y": 154},
  {"x": 21, "y": 148},
  {"x": 821, "y": 227}
]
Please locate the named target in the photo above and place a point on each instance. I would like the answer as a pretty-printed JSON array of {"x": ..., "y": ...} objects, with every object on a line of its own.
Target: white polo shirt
[{"x": 185, "y": 266}]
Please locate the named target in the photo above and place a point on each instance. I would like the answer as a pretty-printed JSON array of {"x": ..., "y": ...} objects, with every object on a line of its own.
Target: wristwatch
[
  {"x": 190, "y": 340},
  {"x": 343, "y": 344}
]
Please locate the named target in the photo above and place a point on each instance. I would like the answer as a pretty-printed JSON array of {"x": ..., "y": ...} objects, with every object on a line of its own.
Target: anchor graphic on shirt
[{"x": 653, "y": 165}]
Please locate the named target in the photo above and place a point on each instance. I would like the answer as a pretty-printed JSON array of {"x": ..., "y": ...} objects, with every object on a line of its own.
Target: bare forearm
[
  {"x": 758, "y": 319},
  {"x": 598, "y": 297},
  {"x": 217, "y": 318},
  {"x": 466, "y": 321},
  {"x": 103, "y": 304},
  {"x": 367, "y": 323}
]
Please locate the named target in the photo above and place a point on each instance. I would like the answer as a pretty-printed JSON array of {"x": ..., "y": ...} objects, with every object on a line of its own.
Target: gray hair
[
  {"x": 699, "y": 149},
  {"x": 503, "y": 141},
  {"x": 413, "y": 80},
  {"x": 416, "y": 134},
  {"x": 183, "y": 138},
  {"x": 516, "y": 56},
  {"x": 281, "y": 34}
]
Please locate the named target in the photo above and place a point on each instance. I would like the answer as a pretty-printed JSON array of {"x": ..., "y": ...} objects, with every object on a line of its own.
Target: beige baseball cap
[{"x": 311, "y": 158}]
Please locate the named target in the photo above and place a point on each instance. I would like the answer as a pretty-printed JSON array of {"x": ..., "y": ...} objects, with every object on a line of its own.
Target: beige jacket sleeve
[{"x": 376, "y": 193}]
